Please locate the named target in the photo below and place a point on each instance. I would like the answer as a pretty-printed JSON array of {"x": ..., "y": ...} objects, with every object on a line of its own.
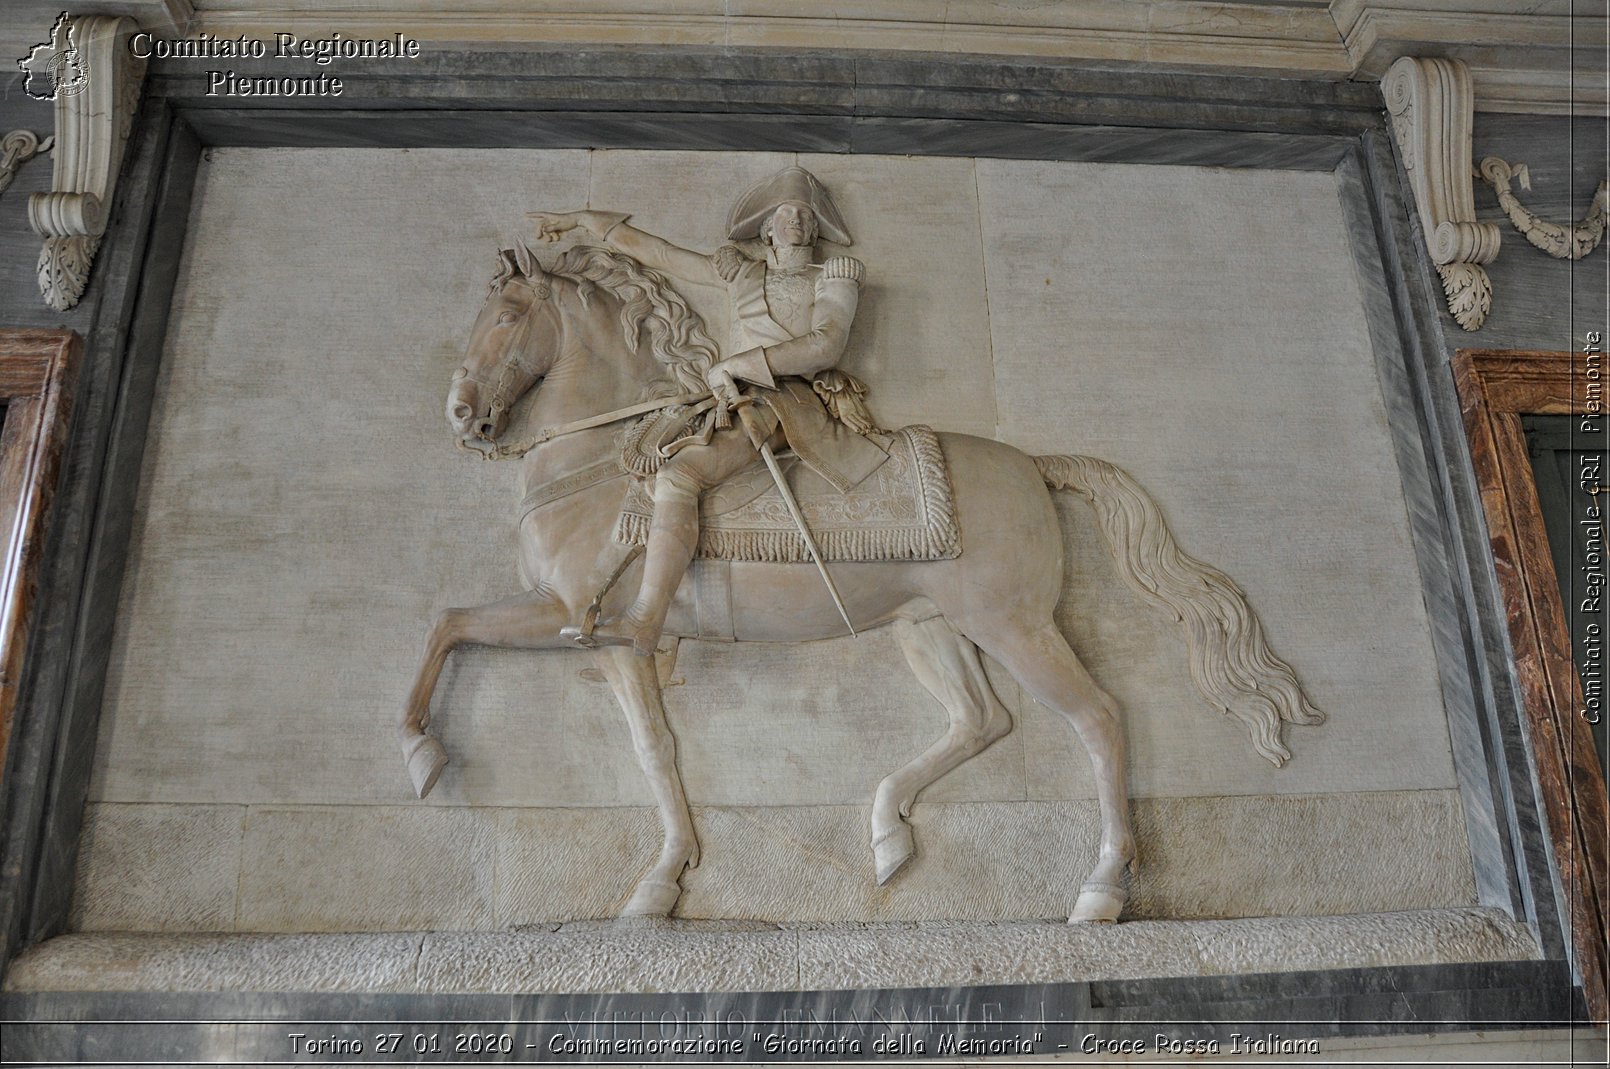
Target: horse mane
[{"x": 676, "y": 333}]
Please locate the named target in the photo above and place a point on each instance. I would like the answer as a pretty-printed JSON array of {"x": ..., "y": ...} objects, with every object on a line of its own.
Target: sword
[{"x": 727, "y": 393}]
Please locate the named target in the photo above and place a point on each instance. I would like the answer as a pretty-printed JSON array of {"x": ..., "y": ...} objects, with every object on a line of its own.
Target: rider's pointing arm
[{"x": 645, "y": 248}]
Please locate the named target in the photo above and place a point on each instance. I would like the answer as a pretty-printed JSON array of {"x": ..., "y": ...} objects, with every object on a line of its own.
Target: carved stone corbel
[
  {"x": 92, "y": 131},
  {"x": 1431, "y": 104},
  {"x": 16, "y": 149},
  {"x": 1559, "y": 241}
]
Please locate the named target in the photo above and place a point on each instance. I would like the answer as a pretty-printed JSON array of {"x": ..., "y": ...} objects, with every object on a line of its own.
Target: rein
[
  {"x": 603, "y": 419},
  {"x": 502, "y": 400}
]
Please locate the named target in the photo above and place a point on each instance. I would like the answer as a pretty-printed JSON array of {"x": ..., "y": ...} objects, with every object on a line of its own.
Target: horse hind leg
[
  {"x": 1041, "y": 660},
  {"x": 636, "y": 683},
  {"x": 948, "y": 665}
]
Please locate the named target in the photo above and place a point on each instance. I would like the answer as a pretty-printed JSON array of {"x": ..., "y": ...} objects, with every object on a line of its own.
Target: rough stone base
[
  {"x": 190, "y": 868},
  {"x": 669, "y": 956}
]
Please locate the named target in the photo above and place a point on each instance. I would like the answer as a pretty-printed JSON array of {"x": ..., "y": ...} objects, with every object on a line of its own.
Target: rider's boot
[{"x": 671, "y": 541}]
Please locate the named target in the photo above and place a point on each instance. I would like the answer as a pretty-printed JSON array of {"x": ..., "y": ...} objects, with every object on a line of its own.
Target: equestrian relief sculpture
[{"x": 679, "y": 489}]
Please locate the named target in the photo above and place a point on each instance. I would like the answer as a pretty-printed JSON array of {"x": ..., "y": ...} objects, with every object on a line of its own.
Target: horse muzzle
[{"x": 465, "y": 417}]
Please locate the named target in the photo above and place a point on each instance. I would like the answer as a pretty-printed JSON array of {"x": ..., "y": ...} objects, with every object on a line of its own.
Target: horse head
[{"x": 510, "y": 348}]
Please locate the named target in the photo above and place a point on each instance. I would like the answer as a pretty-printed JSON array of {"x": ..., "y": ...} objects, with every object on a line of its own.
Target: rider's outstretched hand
[{"x": 550, "y": 226}]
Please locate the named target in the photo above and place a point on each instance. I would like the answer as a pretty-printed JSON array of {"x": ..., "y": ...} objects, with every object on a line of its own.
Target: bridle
[{"x": 510, "y": 365}]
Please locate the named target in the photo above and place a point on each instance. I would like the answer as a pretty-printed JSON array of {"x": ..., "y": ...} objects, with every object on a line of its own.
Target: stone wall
[{"x": 302, "y": 513}]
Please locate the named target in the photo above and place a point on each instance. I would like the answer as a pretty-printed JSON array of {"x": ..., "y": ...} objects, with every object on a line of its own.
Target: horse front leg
[
  {"x": 636, "y": 683},
  {"x": 526, "y": 621}
]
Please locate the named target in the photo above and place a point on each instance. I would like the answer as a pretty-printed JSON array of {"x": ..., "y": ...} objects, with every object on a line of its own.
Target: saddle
[{"x": 903, "y": 510}]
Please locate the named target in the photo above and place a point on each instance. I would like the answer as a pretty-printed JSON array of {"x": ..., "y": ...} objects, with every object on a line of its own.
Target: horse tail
[{"x": 1231, "y": 662}]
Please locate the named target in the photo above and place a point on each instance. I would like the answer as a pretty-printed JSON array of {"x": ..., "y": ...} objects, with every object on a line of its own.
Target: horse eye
[{"x": 507, "y": 317}]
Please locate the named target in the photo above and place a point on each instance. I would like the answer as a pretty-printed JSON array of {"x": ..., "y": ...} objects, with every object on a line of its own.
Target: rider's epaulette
[
  {"x": 728, "y": 261},
  {"x": 844, "y": 267}
]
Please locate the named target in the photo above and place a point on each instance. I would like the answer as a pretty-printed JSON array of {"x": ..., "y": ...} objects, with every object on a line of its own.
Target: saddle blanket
[{"x": 904, "y": 510}]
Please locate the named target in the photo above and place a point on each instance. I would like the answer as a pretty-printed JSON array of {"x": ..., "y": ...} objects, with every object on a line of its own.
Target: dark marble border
[
  {"x": 701, "y": 99},
  {"x": 1051, "y": 1018},
  {"x": 714, "y": 81},
  {"x": 1487, "y": 731},
  {"x": 754, "y": 99},
  {"x": 417, "y": 128},
  {"x": 1407, "y": 362},
  {"x": 47, "y": 778}
]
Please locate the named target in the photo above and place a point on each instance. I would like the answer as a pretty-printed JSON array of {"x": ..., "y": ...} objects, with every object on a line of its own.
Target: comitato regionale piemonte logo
[{"x": 54, "y": 68}]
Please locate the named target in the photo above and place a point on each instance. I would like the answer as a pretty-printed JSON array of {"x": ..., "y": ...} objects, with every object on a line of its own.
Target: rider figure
[{"x": 791, "y": 320}]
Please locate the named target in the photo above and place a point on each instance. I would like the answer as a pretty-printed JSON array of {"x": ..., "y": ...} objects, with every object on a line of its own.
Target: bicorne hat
[{"x": 791, "y": 185}]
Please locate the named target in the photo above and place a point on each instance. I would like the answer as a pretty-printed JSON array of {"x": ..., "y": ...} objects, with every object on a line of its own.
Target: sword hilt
[
  {"x": 725, "y": 390},
  {"x": 752, "y": 424}
]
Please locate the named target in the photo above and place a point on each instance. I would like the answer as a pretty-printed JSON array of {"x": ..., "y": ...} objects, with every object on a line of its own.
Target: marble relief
[
  {"x": 1016, "y": 300},
  {"x": 607, "y": 340}
]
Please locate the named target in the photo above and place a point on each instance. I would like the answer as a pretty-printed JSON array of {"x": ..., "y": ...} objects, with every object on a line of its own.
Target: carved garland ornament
[
  {"x": 16, "y": 149},
  {"x": 92, "y": 130},
  {"x": 1431, "y": 104},
  {"x": 1559, "y": 241}
]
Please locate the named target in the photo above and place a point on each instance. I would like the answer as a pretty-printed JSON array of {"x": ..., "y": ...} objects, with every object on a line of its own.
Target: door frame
[
  {"x": 1497, "y": 387},
  {"x": 38, "y": 371}
]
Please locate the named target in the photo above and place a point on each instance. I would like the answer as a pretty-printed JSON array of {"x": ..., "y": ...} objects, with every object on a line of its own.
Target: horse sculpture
[{"x": 602, "y": 333}]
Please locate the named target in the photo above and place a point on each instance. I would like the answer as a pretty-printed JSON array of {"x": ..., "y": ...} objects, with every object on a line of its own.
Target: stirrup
[
  {"x": 582, "y": 634},
  {"x": 579, "y": 636},
  {"x": 589, "y": 638}
]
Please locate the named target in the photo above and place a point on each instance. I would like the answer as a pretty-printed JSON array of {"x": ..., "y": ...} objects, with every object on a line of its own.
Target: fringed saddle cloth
[{"x": 902, "y": 511}]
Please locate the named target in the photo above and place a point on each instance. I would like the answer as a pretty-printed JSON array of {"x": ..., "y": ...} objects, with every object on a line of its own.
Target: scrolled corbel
[
  {"x": 92, "y": 131},
  {"x": 1559, "y": 241},
  {"x": 1431, "y": 104}
]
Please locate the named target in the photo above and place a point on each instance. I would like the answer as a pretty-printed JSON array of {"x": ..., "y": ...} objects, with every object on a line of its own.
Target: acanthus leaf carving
[
  {"x": 64, "y": 265},
  {"x": 1469, "y": 292},
  {"x": 1558, "y": 240},
  {"x": 94, "y": 114}
]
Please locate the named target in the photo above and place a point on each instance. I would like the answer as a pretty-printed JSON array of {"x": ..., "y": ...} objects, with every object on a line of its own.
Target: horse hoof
[
  {"x": 426, "y": 758},
  {"x": 892, "y": 850},
  {"x": 1099, "y": 903},
  {"x": 654, "y": 897}
]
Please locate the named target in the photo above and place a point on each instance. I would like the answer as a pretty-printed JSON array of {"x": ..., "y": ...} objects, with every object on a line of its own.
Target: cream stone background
[{"x": 303, "y": 512}]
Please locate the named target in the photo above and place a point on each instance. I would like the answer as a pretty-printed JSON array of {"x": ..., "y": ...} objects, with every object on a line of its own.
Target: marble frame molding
[
  {"x": 738, "y": 99},
  {"x": 38, "y": 370}
]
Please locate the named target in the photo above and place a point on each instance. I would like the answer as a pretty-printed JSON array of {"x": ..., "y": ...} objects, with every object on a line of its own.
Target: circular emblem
[{"x": 67, "y": 75}]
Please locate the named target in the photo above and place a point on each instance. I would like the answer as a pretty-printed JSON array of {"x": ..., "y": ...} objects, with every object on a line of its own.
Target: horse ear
[
  {"x": 541, "y": 282},
  {"x": 527, "y": 262}
]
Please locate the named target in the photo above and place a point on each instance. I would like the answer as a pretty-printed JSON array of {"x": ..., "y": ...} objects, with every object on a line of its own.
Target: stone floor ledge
[{"x": 638, "y": 956}]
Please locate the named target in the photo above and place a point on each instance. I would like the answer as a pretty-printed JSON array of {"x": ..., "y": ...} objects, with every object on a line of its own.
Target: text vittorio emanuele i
[{"x": 322, "y": 51}]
